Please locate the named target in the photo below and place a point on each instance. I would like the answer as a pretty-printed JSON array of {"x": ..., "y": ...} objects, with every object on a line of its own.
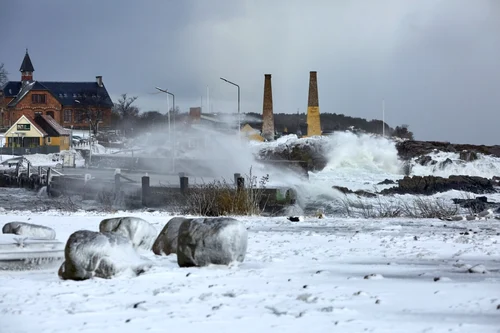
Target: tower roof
[{"x": 26, "y": 66}]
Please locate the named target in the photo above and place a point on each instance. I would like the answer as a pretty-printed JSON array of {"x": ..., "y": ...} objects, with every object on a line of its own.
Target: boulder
[
  {"x": 166, "y": 242},
  {"x": 429, "y": 185},
  {"x": 442, "y": 165},
  {"x": 139, "y": 231},
  {"x": 387, "y": 182},
  {"x": 205, "y": 241},
  {"x": 425, "y": 160},
  {"x": 29, "y": 230},
  {"x": 468, "y": 156},
  {"x": 91, "y": 254}
]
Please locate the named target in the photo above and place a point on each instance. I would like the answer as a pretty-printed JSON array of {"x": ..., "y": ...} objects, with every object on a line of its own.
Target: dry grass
[
  {"x": 221, "y": 198},
  {"x": 384, "y": 207}
]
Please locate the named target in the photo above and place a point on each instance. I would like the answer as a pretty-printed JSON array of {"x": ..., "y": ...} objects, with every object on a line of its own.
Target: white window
[{"x": 67, "y": 115}]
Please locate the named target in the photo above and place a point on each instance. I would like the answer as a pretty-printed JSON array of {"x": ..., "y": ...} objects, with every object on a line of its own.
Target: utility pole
[{"x": 383, "y": 118}]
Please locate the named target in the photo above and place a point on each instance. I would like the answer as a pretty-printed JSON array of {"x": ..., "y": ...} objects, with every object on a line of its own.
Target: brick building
[{"x": 76, "y": 104}]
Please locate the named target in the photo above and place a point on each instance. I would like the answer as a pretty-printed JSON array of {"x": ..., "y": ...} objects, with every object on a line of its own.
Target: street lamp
[
  {"x": 173, "y": 107},
  {"x": 168, "y": 115},
  {"x": 234, "y": 84}
]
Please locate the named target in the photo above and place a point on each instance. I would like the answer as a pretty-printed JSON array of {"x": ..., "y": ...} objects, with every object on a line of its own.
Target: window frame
[{"x": 70, "y": 117}]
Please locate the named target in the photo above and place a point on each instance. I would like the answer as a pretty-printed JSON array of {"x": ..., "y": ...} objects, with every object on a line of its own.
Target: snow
[
  {"x": 296, "y": 276},
  {"x": 321, "y": 275}
]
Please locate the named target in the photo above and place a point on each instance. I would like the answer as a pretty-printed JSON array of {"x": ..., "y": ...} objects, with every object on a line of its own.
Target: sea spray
[{"x": 42, "y": 191}]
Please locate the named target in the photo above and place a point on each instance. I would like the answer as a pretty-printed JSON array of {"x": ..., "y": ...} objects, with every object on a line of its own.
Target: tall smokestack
[
  {"x": 313, "y": 120},
  {"x": 267, "y": 113}
]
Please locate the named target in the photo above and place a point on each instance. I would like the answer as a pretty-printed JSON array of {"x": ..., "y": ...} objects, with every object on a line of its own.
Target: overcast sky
[{"x": 435, "y": 62}]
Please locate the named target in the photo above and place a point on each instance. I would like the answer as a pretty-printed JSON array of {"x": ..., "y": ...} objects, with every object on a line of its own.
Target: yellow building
[
  {"x": 250, "y": 133},
  {"x": 35, "y": 132}
]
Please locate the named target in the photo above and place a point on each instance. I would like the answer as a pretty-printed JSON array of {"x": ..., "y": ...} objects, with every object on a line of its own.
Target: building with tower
[{"x": 70, "y": 104}]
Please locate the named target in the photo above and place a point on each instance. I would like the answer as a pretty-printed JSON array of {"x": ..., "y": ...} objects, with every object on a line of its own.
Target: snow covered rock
[
  {"x": 480, "y": 269},
  {"x": 166, "y": 242},
  {"x": 139, "y": 231},
  {"x": 29, "y": 230},
  {"x": 91, "y": 254},
  {"x": 205, "y": 241}
]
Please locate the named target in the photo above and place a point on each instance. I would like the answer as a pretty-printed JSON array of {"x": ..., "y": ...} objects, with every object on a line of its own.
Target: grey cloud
[{"x": 435, "y": 62}]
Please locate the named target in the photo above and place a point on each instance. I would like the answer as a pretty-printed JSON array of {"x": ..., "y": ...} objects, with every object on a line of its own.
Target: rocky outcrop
[
  {"x": 425, "y": 160},
  {"x": 166, "y": 242},
  {"x": 310, "y": 152},
  {"x": 29, "y": 230},
  {"x": 429, "y": 185},
  {"x": 205, "y": 241},
  {"x": 91, "y": 254},
  {"x": 411, "y": 149},
  {"x": 476, "y": 205},
  {"x": 386, "y": 182},
  {"x": 361, "y": 193},
  {"x": 139, "y": 231}
]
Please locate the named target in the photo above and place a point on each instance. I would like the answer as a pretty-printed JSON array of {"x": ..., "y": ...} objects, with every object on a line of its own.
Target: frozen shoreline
[{"x": 297, "y": 276}]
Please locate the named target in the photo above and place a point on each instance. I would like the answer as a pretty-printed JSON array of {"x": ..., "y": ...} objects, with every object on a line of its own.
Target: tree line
[{"x": 128, "y": 117}]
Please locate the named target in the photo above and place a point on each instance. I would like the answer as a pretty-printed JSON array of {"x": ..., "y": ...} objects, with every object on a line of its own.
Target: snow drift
[
  {"x": 29, "y": 230},
  {"x": 91, "y": 254},
  {"x": 139, "y": 231},
  {"x": 205, "y": 241}
]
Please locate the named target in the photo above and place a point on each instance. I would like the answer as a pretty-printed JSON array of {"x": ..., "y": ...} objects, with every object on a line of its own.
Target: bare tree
[
  {"x": 92, "y": 108},
  {"x": 126, "y": 112},
  {"x": 3, "y": 75}
]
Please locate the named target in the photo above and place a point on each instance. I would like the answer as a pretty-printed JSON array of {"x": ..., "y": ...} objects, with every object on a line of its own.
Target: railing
[{"x": 19, "y": 151}]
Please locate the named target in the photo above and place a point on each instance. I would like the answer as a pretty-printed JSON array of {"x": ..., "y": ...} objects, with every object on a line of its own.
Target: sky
[{"x": 435, "y": 63}]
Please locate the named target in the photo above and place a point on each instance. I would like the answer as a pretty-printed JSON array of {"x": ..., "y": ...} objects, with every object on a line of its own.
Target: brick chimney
[
  {"x": 313, "y": 119},
  {"x": 98, "y": 80},
  {"x": 267, "y": 110}
]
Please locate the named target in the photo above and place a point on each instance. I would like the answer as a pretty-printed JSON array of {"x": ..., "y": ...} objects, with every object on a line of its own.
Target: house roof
[
  {"x": 65, "y": 92},
  {"x": 26, "y": 66},
  {"x": 11, "y": 88},
  {"x": 38, "y": 127},
  {"x": 32, "y": 85},
  {"x": 50, "y": 126},
  {"x": 32, "y": 121}
]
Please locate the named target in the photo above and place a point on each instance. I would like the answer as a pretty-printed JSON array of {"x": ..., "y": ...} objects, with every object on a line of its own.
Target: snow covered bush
[
  {"x": 91, "y": 254},
  {"x": 139, "y": 231},
  {"x": 29, "y": 230},
  {"x": 205, "y": 241},
  {"x": 166, "y": 242}
]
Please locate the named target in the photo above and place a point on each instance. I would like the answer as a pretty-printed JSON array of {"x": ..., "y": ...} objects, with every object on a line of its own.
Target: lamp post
[
  {"x": 168, "y": 115},
  {"x": 173, "y": 106},
  {"x": 234, "y": 84}
]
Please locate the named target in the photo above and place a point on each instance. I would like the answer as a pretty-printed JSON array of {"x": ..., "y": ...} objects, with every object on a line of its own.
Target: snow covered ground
[{"x": 328, "y": 275}]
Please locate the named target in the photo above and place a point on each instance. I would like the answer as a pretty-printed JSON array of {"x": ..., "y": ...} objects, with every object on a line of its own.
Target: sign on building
[{"x": 23, "y": 127}]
